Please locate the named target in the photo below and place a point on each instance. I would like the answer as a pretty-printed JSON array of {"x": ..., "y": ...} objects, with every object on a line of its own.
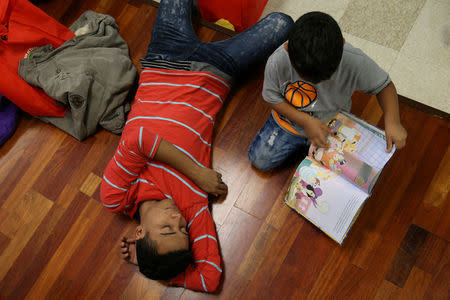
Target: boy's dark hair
[
  {"x": 160, "y": 267},
  {"x": 315, "y": 46}
]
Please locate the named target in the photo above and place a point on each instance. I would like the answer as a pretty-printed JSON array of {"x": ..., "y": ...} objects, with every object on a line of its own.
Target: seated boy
[
  {"x": 307, "y": 81},
  {"x": 160, "y": 171}
]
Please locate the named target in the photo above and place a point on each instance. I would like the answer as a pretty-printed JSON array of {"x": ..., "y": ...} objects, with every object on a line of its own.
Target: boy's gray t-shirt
[{"x": 356, "y": 72}]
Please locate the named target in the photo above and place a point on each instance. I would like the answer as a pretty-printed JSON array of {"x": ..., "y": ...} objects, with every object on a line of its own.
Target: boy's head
[
  {"x": 162, "y": 241},
  {"x": 315, "y": 46}
]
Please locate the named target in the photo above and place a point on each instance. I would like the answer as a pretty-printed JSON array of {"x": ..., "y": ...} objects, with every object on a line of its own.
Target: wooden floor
[{"x": 58, "y": 242}]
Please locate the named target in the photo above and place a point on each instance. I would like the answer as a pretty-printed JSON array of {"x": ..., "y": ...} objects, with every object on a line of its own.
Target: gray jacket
[{"x": 91, "y": 74}]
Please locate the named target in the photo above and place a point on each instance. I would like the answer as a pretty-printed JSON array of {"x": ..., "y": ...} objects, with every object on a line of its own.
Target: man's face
[{"x": 165, "y": 225}]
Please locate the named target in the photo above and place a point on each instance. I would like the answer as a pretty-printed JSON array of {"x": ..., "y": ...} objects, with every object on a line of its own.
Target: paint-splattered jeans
[
  {"x": 272, "y": 145},
  {"x": 174, "y": 39}
]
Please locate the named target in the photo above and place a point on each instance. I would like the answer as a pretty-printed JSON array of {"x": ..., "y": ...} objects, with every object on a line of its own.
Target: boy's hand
[
  {"x": 317, "y": 132},
  {"x": 395, "y": 134},
  {"x": 210, "y": 181},
  {"x": 128, "y": 250}
]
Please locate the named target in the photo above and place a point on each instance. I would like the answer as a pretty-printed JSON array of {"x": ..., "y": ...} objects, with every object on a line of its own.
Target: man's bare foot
[{"x": 128, "y": 250}]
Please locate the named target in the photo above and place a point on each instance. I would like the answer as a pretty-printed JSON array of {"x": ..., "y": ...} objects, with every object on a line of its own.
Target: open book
[{"x": 331, "y": 185}]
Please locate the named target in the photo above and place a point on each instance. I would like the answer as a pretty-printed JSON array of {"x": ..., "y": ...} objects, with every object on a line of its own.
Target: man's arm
[
  {"x": 316, "y": 130},
  {"x": 395, "y": 132}
]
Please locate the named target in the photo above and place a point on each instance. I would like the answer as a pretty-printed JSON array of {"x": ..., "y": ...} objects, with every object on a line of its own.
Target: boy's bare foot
[{"x": 128, "y": 250}]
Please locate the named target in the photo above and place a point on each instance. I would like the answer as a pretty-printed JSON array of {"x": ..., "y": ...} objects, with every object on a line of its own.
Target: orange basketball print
[{"x": 300, "y": 94}]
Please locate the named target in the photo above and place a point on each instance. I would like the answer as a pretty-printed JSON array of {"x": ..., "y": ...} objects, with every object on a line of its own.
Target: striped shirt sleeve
[
  {"x": 137, "y": 146},
  {"x": 205, "y": 274}
]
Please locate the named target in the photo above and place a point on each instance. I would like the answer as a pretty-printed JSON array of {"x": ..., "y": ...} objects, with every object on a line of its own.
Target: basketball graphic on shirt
[{"x": 300, "y": 94}]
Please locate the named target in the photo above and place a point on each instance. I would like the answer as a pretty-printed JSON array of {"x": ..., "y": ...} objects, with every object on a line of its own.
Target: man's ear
[
  {"x": 286, "y": 46},
  {"x": 139, "y": 232}
]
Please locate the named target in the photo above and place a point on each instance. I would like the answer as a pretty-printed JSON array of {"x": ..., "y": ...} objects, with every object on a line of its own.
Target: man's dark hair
[
  {"x": 315, "y": 46},
  {"x": 160, "y": 267}
]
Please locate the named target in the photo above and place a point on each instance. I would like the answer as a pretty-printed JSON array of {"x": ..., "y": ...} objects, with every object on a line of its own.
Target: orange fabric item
[
  {"x": 23, "y": 27},
  {"x": 241, "y": 13},
  {"x": 283, "y": 123}
]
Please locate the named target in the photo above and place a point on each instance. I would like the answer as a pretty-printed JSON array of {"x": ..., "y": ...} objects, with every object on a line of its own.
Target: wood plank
[
  {"x": 62, "y": 166},
  {"x": 443, "y": 229},
  {"x": 121, "y": 282},
  {"x": 440, "y": 285},
  {"x": 435, "y": 198},
  {"x": 143, "y": 288},
  {"x": 91, "y": 184},
  {"x": 387, "y": 290},
  {"x": 40, "y": 160},
  {"x": 34, "y": 264},
  {"x": 108, "y": 270},
  {"x": 73, "y": 268},
  {"x": 103, "y": 256},
  {"x": 4, "y": 241},
  {"x": 257, "y": 253},
  {"x": 235, "y": 243},
  {"x": 109, "y": 148},
  {"x": 356, "y": 283},
  {"x": 303, "y": 263},
  {"x": 28, "y": 157},
  {"x": 102, "y": 143},
  {"x": 275, "y": 257},
  {"x": 234, "y": 174},
  {"x": 431, "y": 253},
  {"x": 329, "y": 277},
  {"x": 280, "y": 211},
  {"x": 31, "y": 252},
  {"x": 421, "y": 180},
  {"x": 266, "y": 236},
  {"x": 32, "y": 210},
  {"x": 64, "y": 252},
  {"x": 372, "y": 112},
  {"x": 406, "y": 255},
  {"x": 416, "y": 285}
]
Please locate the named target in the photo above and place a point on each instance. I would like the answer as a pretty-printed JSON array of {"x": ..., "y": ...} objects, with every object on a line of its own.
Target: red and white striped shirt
[{"x": 179, "y": 106}]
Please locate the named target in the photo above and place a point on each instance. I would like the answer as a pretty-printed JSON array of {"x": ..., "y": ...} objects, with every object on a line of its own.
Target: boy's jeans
[
  {"x": 273, "y": 145},
  {"x": 174, "y": 39}
]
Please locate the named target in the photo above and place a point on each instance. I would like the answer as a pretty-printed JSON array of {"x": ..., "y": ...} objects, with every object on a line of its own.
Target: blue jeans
[
  {"x": 273, "y": 145},
  {"x": 173, "y": 39}
]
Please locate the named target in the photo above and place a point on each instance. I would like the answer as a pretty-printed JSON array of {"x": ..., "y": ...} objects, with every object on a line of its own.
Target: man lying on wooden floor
[{"x": 159, "y": 173}]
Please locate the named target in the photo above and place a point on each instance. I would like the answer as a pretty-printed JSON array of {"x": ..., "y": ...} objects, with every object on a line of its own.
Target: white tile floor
[{"x": 419, "y": 64}]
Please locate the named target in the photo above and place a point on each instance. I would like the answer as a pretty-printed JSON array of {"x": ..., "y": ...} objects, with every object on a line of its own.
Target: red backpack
[{"x": 24, "y": 27}]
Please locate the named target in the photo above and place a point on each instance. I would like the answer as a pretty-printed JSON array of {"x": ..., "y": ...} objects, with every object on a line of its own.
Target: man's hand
[
  {"x": 128, "y": 250},
  {"x": 210, "y": 181},
  {"x": 317, "y": 132},
  {"x": 395, "y": 134}
]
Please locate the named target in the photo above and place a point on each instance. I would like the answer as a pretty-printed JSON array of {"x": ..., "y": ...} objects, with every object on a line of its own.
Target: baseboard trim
[{"x": 424, "y": 108}]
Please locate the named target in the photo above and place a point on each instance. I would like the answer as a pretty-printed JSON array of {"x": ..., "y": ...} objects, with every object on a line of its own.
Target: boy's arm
[
  {"x": 207, "y": 179},
  {"x": 316, "y": 130},
  {"x": 204, "y": 275},
  {"x": 395, "y": 132},
  {"x": 138, "y": 146},
  {"x": 135, "y": 148}
]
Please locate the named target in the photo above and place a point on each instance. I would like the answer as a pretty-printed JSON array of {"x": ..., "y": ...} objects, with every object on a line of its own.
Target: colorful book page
[
  {"x": 356, "y": 150},
  {"x": 324, "y": 198}
]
